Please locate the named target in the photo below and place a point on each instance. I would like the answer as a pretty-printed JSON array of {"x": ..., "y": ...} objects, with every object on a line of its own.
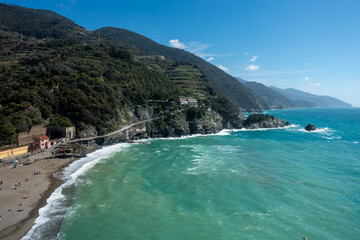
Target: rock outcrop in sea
[
  {"x": 310, "y": 127},
  {"x": 255, "y": 121}
]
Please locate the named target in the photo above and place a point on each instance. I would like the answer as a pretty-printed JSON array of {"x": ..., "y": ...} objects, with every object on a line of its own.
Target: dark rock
[
  {"x": 310, "y": 127},
  {"x": 175, "y": 125},
  {"x": 255, "y": 121},
  {"x": 287, "y": 123}
]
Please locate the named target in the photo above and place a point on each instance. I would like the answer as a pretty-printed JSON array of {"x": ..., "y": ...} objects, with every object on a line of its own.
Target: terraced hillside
[
  {"x": 189, "y": 78},
  {"x": 223, "y": 82},
  {"x": 186, "y": 76},
  {"x": 191, "y": 82}
]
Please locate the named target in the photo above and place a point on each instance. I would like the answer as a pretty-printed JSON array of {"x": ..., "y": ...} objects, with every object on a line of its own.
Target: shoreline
[
  {"x": 19, "y": 229},
  {"x": 42, "y": 187}
]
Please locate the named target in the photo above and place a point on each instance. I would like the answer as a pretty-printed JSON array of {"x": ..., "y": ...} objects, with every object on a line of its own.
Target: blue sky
[{"x": 311, "y": 45}]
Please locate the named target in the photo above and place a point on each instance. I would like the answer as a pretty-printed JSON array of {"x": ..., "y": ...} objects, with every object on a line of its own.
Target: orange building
[{"x": 41, "y": 142}]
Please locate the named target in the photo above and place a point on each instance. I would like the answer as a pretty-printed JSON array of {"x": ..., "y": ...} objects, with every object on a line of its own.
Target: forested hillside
[
  {"x": 55, "y": 73},
  {"x": 65, "y": 80},
  {"x": 193, "y": 83},
  {"x": 228, "y": 85}
]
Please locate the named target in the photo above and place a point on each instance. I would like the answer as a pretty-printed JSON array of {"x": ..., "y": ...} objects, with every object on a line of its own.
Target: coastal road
[{"x": 115, "y": 132}]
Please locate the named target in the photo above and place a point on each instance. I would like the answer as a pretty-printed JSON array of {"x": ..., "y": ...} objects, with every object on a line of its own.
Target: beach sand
[
  {"x": 25, "y": 200},
  {"x": 30, "y": 196}
]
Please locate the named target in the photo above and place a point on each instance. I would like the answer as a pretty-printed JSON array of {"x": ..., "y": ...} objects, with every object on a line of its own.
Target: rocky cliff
[
  {"x": 255, "y": 121},
  {"x": 183, "y": 122},
  {"x": 188, "y": 121}
]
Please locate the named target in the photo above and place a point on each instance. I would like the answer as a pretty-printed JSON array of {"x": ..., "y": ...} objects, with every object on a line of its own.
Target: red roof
[{"x": 41, "y": 137}]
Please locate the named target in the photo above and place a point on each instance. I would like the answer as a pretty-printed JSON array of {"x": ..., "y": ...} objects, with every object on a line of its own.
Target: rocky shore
[
  {"x": 15, "y": 224},
  {"x": 255, "y": 121},
  {"x": 187, "y": 122}
]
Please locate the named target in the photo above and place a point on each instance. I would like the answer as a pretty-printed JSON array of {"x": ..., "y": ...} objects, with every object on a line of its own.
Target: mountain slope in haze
[
  {"x": 273, "y": 97},
  {"x": 303, "y": 99},
  {"x": 266, "y": 97},
  {"x": 228, "y": 85}
]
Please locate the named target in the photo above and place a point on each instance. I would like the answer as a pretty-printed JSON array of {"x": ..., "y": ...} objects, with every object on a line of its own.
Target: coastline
[
  {"x": 15, "y": 225},
  {"x": 19, "y": 227}
]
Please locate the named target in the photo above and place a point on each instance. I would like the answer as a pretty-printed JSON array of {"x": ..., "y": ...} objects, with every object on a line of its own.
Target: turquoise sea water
[{"x": 264, "y": 184}]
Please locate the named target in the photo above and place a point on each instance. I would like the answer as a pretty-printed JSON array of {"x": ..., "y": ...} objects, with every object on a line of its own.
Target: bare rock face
[
  {"x": 255, "y": 121},
  {"x": 310, "y": 127},
  {"x": 181, "y": 125}
]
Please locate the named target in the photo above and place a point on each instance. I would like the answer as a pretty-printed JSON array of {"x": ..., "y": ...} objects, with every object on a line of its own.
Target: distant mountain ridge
[
  {"x": 319, "y": 101},
  {"x": 266, "y": 97},
  {"x": 277, "y": 98}
]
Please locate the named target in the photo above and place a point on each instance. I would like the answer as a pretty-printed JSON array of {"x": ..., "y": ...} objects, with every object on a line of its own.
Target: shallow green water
[{"x": 273, "y": 184}]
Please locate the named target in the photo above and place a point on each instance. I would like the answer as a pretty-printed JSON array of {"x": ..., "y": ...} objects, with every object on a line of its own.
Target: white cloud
[
  {"x": 67, "y": 6},
  {"x": 175, "y": 43},
  {"x": 315, "y": 84},
  {"x": 253, "y": 59},
  {"x": 197, "y": 47},
  {"x": 252, "y": 67},
  {"x": 307, "y": 78},
  {"x": 194, "y": 47},
  {"x": 247, "y": 53},
  {"x": 225, "y": 69},
  {"x": 271, "y": 73}
]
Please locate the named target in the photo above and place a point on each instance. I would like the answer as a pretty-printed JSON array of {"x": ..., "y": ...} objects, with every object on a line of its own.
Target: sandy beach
[
  {"x": 34, "y": 184},
  {"x": 23, "y": 201}
]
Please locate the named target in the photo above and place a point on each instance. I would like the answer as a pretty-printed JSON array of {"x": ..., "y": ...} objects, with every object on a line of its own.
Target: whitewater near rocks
[{"x": 238, "y": 184}]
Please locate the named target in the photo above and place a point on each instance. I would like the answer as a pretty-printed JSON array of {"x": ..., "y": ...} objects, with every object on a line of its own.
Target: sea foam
[{"x": 53, "y": 212}]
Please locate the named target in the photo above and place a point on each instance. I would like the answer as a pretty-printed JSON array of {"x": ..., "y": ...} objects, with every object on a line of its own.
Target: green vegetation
[
  {"x": 194, "y": 113},
  {"x": 64, "y": 81},
  {"x": 35, "y": 23},
  {"x": 193, "y": 83},
  {"x": 259, "y": 117},
  {"x": 55, "y": 73},
  {"x": 226, "y": 84},
  {"x": 190, "y": 79}
]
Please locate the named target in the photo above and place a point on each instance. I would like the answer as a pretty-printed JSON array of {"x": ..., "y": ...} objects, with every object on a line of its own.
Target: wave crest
[{"x": 52, "y": 214}]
